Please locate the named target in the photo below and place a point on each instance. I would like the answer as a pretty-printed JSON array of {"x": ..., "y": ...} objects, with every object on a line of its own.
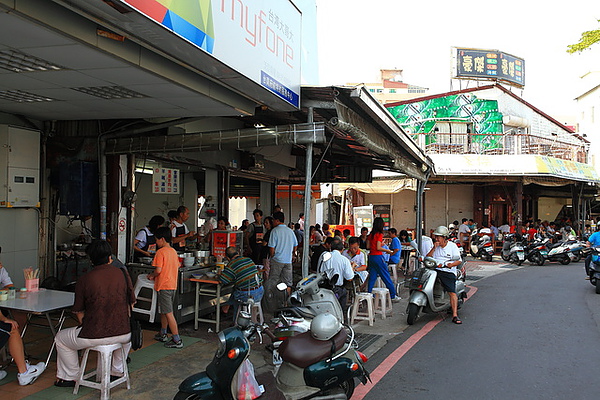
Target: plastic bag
[{"x": 247, "y": 387}]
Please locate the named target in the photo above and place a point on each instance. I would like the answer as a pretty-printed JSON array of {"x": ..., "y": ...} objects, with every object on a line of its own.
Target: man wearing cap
[{"x": 447, "y": 256}]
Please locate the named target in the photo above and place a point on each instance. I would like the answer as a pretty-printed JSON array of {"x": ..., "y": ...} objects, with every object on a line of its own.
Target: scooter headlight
[{"x": 221, "y": 348}]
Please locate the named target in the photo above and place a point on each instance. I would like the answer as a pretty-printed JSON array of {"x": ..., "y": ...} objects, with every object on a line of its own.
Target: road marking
[{"x": 361, "y": 391}]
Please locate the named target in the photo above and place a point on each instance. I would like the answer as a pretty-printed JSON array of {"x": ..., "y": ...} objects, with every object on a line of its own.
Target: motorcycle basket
[{"x": 414, "y": 282}]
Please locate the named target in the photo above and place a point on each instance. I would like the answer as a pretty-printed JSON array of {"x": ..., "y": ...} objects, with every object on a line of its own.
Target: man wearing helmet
[{"x": 447, "y": 256}]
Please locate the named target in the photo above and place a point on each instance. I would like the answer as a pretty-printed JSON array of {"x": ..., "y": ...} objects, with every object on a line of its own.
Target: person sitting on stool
[{"x": 247, "y": 280}]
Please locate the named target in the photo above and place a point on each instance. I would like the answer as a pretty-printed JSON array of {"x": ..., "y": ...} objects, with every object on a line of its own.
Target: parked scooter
[
  {"x": 481, "y": 246},
  {"x": 313, "y": 295},
  {"x": 559, "y": 251},
  {"x": 427, "y": 293},
  {"x": 536, "y": 252},
  {"x": 512, "y": 249},
  {"x": 320, "y": 364}
]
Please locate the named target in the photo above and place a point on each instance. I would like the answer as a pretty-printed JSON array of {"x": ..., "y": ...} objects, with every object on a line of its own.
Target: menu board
[
  {"x": 165, "y": 181},
  {"x": 383, "y": 211},
  {"x": 363, "y": 218}
]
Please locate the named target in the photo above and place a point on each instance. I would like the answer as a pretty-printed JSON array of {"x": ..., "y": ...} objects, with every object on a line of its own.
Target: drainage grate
[
  {"x": 474, "y": 277},
  {"x": 364, "y": 340}
]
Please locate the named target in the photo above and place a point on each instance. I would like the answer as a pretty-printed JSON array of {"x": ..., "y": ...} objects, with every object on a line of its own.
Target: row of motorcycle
[
  {"x": 516, "y": 249},
  {"x": 314, "y": 353}
]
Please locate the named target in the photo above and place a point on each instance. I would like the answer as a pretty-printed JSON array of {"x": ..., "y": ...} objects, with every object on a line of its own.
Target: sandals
[
  {"x": 456, "y": 320},
  {"x": 64, "y": 383}
]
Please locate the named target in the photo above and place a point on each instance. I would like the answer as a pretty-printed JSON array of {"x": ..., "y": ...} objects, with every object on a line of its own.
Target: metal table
[
  {"x": 208, "y": 287},
  {"x": 43, "y": 302}
]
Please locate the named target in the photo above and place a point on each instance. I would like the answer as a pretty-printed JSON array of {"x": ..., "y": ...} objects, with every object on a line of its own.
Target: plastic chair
[
  {"x": 255, "y": 312},
  {"x": 143, "y": 282},
  {"x": 102, "y": 371},
  {"x": 393, "y": 268},
  {"x": 369, "y": 315},
  {"x": 383, "y": 301}
]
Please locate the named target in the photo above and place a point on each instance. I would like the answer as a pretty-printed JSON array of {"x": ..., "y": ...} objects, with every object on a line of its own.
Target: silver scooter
[{"x": 427, "y": 293}]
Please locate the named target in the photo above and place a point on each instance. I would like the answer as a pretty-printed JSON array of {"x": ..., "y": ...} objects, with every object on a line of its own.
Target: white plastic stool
[
  {"x": 143, "y": 282},
  {"x": 383, "y": 301},
  {"x": 255, "y": 312},
  {"x": 369, "y": 315},
  {"x": 102, "y": 371},
  {"x": 379, "y": 283}
]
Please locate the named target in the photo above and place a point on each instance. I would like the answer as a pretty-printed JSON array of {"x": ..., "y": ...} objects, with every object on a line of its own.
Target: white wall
[
  {"x": 443, "y": 204},
  {"x": 19, "y": 241},
  {"x": 549, "y": 207},
  {"x": 149, "y": 204}
]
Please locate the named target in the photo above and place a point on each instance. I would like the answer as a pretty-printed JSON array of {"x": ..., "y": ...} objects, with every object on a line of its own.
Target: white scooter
[
  {"x": 427, "y": 293},
  {"x": 481, "y": 246}
]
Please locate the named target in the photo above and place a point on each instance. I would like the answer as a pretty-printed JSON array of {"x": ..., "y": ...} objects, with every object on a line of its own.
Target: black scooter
[
  {"x": 319, "y": 369},
  {"x": 594, "y": 268}
]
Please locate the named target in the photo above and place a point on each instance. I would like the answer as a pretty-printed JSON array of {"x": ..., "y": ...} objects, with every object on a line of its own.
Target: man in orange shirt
[{"x": 166, "y": 263}]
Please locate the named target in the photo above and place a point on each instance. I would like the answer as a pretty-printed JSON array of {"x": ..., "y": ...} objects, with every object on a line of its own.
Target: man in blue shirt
[
  {"x": 282, "y": 245},
  {"x": 394, "y": 246},
  {"x": 593, "y": 241}
]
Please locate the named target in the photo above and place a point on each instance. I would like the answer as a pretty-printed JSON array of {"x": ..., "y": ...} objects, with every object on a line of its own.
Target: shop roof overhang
[
  {"x": 351, "y": 130},
  {"x": 529, "y": 166},
  {"x": 58, "y": 61},
  {"x": 361, "y": 132}
]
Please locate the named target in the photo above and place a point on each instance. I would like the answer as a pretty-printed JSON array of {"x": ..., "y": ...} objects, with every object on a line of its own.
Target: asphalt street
[{"x": 531, "y": 333}]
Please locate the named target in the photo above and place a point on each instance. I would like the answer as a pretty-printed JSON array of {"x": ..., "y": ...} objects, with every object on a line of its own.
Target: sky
[{"x": 358, "y": 38}]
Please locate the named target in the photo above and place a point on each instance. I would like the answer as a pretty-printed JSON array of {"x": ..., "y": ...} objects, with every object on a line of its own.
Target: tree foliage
[{"x": 588, "y": 38}]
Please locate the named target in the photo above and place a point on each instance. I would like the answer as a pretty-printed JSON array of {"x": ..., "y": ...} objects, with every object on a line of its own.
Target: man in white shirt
[
  {"x": 447, "y": 256},
  {"x": 340, "y": 266},
  {"x": 357, "y": 259}
]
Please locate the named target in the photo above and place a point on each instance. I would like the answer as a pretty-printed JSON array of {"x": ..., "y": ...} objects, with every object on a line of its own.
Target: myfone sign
[
  {"x": 489, "y": 64},
  {"x": 260, "y": 39}
]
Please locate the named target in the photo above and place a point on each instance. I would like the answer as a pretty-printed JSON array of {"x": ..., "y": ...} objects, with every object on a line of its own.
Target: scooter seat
[
  {"x": 300, "y": 312},
  {"x": 304, "y": 350}
]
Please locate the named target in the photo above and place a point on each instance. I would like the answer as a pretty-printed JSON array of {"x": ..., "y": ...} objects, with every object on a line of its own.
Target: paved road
[{"x": 531, "y": 333}]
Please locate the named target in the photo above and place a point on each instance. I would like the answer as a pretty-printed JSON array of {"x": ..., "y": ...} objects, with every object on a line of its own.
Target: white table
[{"x": 43, "y": 302}]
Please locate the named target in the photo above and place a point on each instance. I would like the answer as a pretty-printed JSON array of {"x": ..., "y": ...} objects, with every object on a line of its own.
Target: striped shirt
[{"x": 243, "y": 273}]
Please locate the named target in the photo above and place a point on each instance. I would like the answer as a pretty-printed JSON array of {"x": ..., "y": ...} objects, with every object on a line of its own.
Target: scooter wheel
[
  {"x": 186, "y": 396},
  {"x": 413, "y": 313},
  {"x": 598, "y": 286},
  {"x": 565, "y": 260},
  {"x": 505, "y": 258},
  {"x": 488, "y": 257}
]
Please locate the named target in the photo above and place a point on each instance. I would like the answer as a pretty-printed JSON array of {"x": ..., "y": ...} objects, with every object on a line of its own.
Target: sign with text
[
  {"x": 489, "y": 64},
  {"x": 385, "y": 212},
  {"x": 165, "y": 181},
  {"x": 260, "y": 39}
]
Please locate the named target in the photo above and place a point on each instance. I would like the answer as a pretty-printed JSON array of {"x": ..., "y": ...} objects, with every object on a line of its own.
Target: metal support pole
[{"x": 307, "y": 198}]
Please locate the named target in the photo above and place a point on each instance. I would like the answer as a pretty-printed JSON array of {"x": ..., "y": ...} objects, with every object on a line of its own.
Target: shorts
[
  {"x": 165, "y": 301},
  {"x": 281, "y": 272},
  {"x": 5, "y": 329},
  {"x": 448, "y": 281}
]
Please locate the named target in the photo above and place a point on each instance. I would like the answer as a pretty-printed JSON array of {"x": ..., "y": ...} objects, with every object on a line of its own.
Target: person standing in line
[
  {"x": 301, "y": 221},
  {"x": 144, "y": 244},
  {"x": 180, "y": 232},
  {"x": 362, "y": 239},
  {"x": 282, "y": 245},
  {"x": 377, "y": 264},
  {"x": 166, "y": 263},
  {"x": 253, "y": 236},
  {"x": 396, "y": 248}
]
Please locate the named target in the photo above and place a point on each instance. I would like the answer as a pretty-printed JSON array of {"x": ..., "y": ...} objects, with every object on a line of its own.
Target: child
[{"x": 167, "y": 263}]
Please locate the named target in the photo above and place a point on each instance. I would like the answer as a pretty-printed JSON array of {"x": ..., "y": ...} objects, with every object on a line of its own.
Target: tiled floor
[{"x": 37, "y": 345}]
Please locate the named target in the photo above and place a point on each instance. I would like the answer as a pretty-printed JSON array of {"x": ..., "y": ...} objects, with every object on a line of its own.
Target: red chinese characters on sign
[{"x": 165, "y": 181}]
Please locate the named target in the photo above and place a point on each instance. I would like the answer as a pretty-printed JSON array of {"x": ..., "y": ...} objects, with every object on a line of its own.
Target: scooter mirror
[{"x": 281, "y": 286}]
